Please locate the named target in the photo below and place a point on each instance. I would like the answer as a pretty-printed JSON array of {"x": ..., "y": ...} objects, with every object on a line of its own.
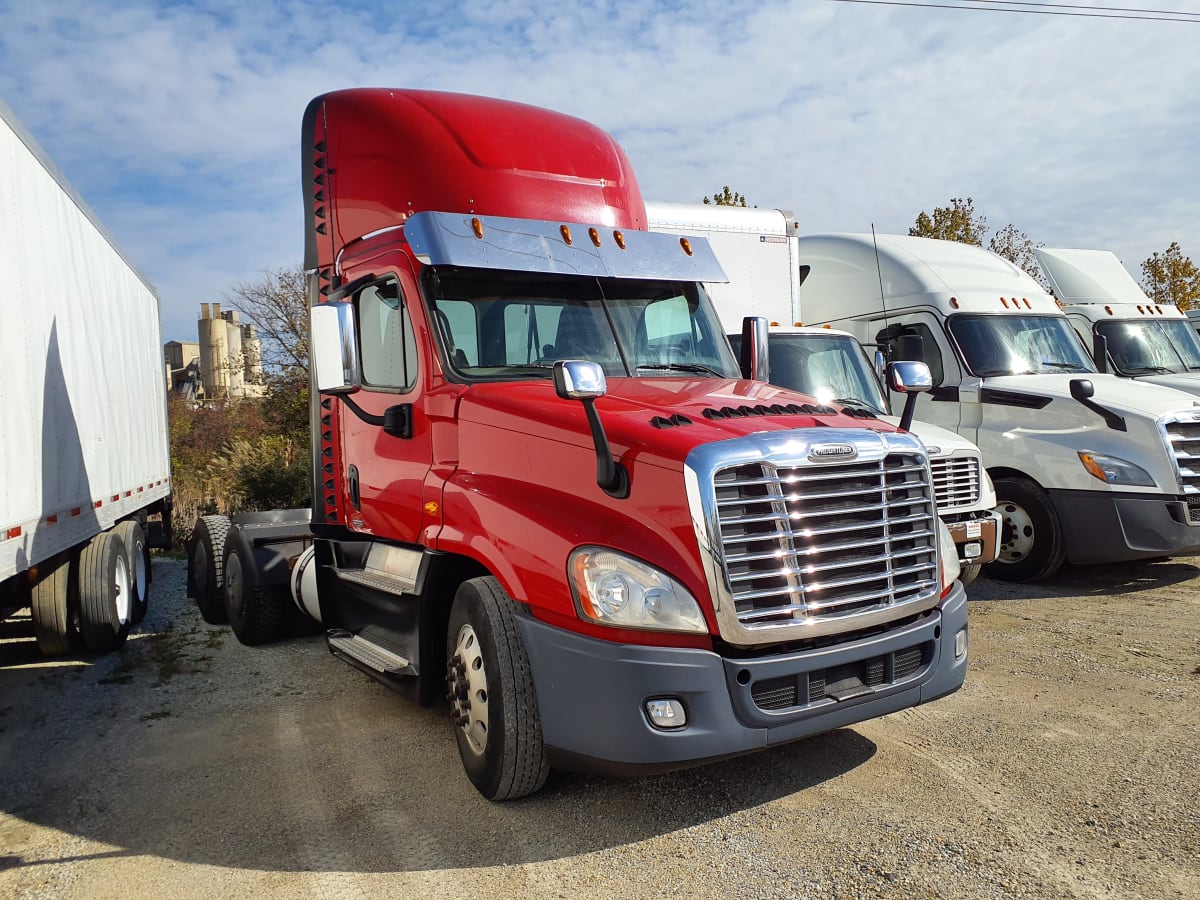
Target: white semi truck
[
  {"x": 759, "y": 251},
  {"x": 1088, "y": 467},
  {"x": 1130, "y": 335},
  {"x": 85, "y": 482}
]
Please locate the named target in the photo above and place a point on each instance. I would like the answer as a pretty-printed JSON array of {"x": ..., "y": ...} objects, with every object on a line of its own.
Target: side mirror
[
  {"x": 1082, "y": 389},
  {"x": 754, "y": 363},
  {"x": 334, "y": 352},
  {"x": 578, "y": 379},
  {"x": 1100, "y": 352},
  {"x": 909, "y": 378}
]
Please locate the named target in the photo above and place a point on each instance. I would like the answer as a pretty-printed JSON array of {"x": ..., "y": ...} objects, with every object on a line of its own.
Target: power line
[
  {"x": 1126, "y": 9},
  {"x": 1032, "y": 12}
]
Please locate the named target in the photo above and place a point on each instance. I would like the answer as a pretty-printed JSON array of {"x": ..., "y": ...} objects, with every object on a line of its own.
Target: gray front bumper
[
  {"x": 591, "y": 693},
  {"x": 1103, "y": 528}
]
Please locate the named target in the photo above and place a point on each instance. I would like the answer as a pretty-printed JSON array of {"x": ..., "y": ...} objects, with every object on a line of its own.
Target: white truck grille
[
  {"x": 1183, "y": 442},
  {"x": 955, "y": 482}
]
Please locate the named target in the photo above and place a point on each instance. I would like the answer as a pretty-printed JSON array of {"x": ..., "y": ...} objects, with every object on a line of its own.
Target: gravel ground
[{"x": 188, "y": 765}]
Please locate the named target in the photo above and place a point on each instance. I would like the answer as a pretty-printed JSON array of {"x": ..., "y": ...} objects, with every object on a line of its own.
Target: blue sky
[{"x": 179, "y": 122}]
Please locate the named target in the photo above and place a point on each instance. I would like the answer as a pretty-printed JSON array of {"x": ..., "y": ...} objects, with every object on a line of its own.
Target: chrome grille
[
  {"x": 1183, "y": 442},
  {"x": 813, "y": 543},
  {"x": 955, "y": 481}
]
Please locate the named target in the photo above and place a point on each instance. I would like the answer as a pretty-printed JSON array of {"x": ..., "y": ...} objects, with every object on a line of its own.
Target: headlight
[
  {"x": 1112, "y": 470},
  {"x": 948, "y": 554},
  {"x": 614, "y": 589}
]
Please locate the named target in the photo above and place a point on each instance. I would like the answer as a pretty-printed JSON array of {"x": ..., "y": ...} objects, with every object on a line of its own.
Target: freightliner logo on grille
[{"x": 832, "y": 451}]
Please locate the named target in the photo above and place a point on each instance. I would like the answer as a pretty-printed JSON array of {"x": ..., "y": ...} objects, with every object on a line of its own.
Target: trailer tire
[
  {"x": 105, "y": 593},
  {"x": 256, "y": 614},
  {"x": 1031, "y": 539},
  {"x": 492, "y": 700},
  {"x": 137, "y": 558},
  {"x": 54, "y": 624},
  {"x": 969, "y": 573},
  {"x": 206, "y": 567}
]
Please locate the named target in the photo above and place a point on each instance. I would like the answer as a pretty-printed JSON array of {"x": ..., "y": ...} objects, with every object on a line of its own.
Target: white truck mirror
[{"x": 334, "y": 351}]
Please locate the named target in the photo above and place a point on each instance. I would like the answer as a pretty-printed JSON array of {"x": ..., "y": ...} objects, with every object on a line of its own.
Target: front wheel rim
[
  {"x": 1017, "y": 533},
  {"x": 468, "y": 690}
]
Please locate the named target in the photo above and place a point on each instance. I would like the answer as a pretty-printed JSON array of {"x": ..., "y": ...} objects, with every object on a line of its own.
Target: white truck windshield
[
  {"x": 1019, "y": 345},
  {"x": 1145, "y": 347}
]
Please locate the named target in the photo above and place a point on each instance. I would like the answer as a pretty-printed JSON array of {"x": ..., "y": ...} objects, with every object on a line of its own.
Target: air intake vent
[{"x": 955, "y": 482}]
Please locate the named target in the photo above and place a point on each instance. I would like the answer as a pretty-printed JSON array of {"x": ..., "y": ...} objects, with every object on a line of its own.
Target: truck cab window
[
  {"x": 388, "y": 346},
  {"x": 931, "y": 352}
]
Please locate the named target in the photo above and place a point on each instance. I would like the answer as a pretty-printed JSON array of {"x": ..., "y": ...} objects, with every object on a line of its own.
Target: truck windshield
[
  {"x": 513, "y": 325},
  {"x": 831, "y": 368},
  {"x": 1144, "y": 347},
  {"x": 1019, "y": 345}
]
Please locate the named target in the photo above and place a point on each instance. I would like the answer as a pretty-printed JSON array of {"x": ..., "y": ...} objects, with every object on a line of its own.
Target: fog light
[
  {"x": 666, "y": 713},
  {"x": 970, "y": 551},
  {"x": 960, "y": 643}
]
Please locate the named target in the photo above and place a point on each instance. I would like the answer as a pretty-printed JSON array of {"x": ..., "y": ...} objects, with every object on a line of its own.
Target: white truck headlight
[
  {"x": 614, "y": 589},
  {"x": 948, "y": 554},
  {"x": 1114, "y": 470}
]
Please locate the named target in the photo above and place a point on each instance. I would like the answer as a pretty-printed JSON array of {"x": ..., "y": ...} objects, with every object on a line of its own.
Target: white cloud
[{"x": 179, "y": 122}]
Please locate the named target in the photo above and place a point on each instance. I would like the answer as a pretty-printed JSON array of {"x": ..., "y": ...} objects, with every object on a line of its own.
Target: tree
[
  {"x": 956, "y": 222},
  {"x": 1015, "y": 246},
  {"x": 1172, "y": 278},
  {"x": 277, "y": 307},
  {"x": 726, "y": 198}
]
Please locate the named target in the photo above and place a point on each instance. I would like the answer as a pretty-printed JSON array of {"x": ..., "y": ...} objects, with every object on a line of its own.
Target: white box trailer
[
  {"x": 85, "y": 473},
  {"x": 759, "y": 251}
]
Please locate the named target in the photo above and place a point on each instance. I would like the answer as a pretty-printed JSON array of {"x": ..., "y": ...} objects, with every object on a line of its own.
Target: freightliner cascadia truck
[
  {"x": 1129, "y": 334},
  {"x": 759, "y": 250},
  {"x": 543, "y": 487},
  {"x": 1088, "y": 467},
  {"x": 85, "y": 483}
]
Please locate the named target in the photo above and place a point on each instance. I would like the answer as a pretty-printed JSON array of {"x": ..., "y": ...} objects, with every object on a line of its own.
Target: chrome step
[
  {"x": 371, "y": 655},
  {"x": 380, "y": 581}
]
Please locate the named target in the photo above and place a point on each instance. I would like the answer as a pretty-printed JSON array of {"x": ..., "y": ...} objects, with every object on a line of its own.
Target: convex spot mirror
[
  {"x": 579, "y": 379},
  {"x": 907, "y": 377}
]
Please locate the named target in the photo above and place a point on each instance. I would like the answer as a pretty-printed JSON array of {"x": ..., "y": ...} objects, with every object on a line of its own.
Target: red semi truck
[{"x": 543, "y": 484}]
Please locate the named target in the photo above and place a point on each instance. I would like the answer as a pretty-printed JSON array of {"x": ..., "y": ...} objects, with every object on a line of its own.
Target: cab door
[
  {"x": 954, "y": 401},
  {"x": 384, "y": 465}
]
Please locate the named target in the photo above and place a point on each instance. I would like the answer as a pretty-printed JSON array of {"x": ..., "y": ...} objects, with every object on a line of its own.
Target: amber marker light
[
  {"x": 686, "y": 245},
  {"x": 595, "y": 236},
  {"x": 619, "y": 238},
  {"x": 1108, "y": 309},
  {"x": 566, "y": 234},
  {"x": 1092, "y": 466},
  {"x": 477, "y": 227},
  {"x": 954, "y": 303},
  {"x": 431, "y": 507},
  {"x": 1005, "y": 302}
]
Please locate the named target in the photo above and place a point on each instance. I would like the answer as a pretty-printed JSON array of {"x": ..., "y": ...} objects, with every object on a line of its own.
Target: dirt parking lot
[{"x": 190, "y": 766}]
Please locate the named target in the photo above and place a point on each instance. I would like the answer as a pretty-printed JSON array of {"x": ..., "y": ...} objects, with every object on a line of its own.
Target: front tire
[
  {"x": 969, "y": 573},
  {"x": 492, "y": 700},
  {"x": 105, "y": 593},
  {"x": 206, "y": 567},
  {"x": 1031, "y": 539}
]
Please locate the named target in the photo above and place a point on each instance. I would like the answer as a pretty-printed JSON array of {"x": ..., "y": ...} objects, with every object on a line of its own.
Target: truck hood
[
  {"x": 936, "y": 438},
  {"x": 656, "y": 421},
  {"x": 1189, "y": 383},
  {"x": 1129, "y": 398}
]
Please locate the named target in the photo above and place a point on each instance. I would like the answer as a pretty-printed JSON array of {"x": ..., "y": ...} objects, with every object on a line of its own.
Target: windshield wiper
[
  {"x": 1142, "y": 370},
  {"x": 856, "y": 401},
  {"x": 684, "y": 367},
  {"x": 1074, "y": 367}
]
